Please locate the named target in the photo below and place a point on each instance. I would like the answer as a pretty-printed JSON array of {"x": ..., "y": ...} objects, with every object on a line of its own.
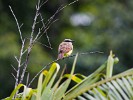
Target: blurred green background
[{"x": 95, "y": 25}]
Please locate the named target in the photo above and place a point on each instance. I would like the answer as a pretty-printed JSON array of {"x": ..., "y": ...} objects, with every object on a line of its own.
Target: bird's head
[{"x": 68, "y": 40}]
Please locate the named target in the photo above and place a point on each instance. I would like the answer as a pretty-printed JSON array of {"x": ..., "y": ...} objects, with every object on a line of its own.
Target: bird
[{"x": 65, "y": 48}]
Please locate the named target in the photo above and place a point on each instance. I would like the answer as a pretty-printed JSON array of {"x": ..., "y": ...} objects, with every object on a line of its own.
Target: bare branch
[
  {"x": 46, "y": 28},
  {"x": 43, "y": 44},
  {"x": 21, "y": 25},
  {"x": 37, "y": 35},
  {"x": 57, "y": 11},
  {"x": 52, "y": 17},
  {"x": 48, "y": 23},
  {"x": 39, "y": 22},
  {"x": 40, "y": 34},
  {"x": 85, "y": 53},
  {"x": 72, "y": 2},
  {"x": 22, "y": 64},
  {"x": 43, "y": 3},
  {"x": 25, "y": 67},
  {"x": 31, "y": 43},
  {"x": 13, "y": 76},
  {"x": 46, "y": 31},
  {"x": 38, "y": 4},
  {"x": 24, "y": 51},
  {"x": 16, "y": 58},
  {"x": 14, "y": 68},
  {"x": 20, "y": 33},
  {"x": 19, "y": 62}
]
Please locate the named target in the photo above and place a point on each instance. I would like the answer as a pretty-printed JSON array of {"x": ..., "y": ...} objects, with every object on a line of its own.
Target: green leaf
[
  {"x": 128, "y": 86},
  {"x": 59, "y": 93},
  {"x": 116, "y": 85},
  {"x": 114, "y": 88},
  {"x": 14, "y": 92},
  {"x": 74, "y": 78},
  {"x": 47, "y": 93},
  {"x": 39, "y": 87},
  {"x": 87, "y": 96},
  {"x": 27, "y": 93},
  {"x": 110, "y": 63},
  {"x": 94, "y": 77},
  {"x": 49, "y": 74},
  {"x": 114, "y": 91},
  {"x": 58, "y": 81}
]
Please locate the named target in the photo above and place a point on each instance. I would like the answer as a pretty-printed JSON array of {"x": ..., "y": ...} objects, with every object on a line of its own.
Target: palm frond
[{"x": 99, "y": 86}]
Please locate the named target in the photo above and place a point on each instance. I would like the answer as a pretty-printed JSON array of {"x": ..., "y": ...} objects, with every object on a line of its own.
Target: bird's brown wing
[{"x": 64, "y": 47}]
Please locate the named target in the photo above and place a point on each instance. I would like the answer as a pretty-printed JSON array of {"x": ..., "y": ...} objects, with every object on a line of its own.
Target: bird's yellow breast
[{"x": 68, "y": 53}]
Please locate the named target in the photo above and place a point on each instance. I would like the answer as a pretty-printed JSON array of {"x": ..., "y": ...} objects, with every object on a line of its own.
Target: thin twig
[
  {"x": 16, "y": 58},
  {"x": 39, "y": 32},
  {"x": 46, "y": 28},
  {"x": 57, "y": 11},
  {"x": 19, "y": 63},
  {"x": 43, "y": 44},
  {"x": 24, "y": 51},
  {"x": 48, "y": 23},
  {"x": 85, "y": 53},
  {"x": 19, "y": 26},
  {"x": 43, "y": 3},
  {"x": 22, "y": 64},
  {"x": 46, "y": 31},
  {"x": 13, "y": 76},
  {"x": 53, "y": 16},
  {"x": 14, "y": 68},
  {"x": 31, "y": 43},
  {"x": 22, "y": 47}
]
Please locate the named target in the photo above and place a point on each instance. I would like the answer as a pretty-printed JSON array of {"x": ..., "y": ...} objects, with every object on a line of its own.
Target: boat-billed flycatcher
[{"x": 65, "y": 48}]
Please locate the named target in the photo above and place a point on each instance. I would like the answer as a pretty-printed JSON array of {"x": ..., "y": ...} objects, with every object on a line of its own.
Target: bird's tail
[{"x": 60, "y": 56}]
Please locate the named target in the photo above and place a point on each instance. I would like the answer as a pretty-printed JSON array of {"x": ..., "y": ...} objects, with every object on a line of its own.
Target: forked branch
[{"x": 19, "y": 59}]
